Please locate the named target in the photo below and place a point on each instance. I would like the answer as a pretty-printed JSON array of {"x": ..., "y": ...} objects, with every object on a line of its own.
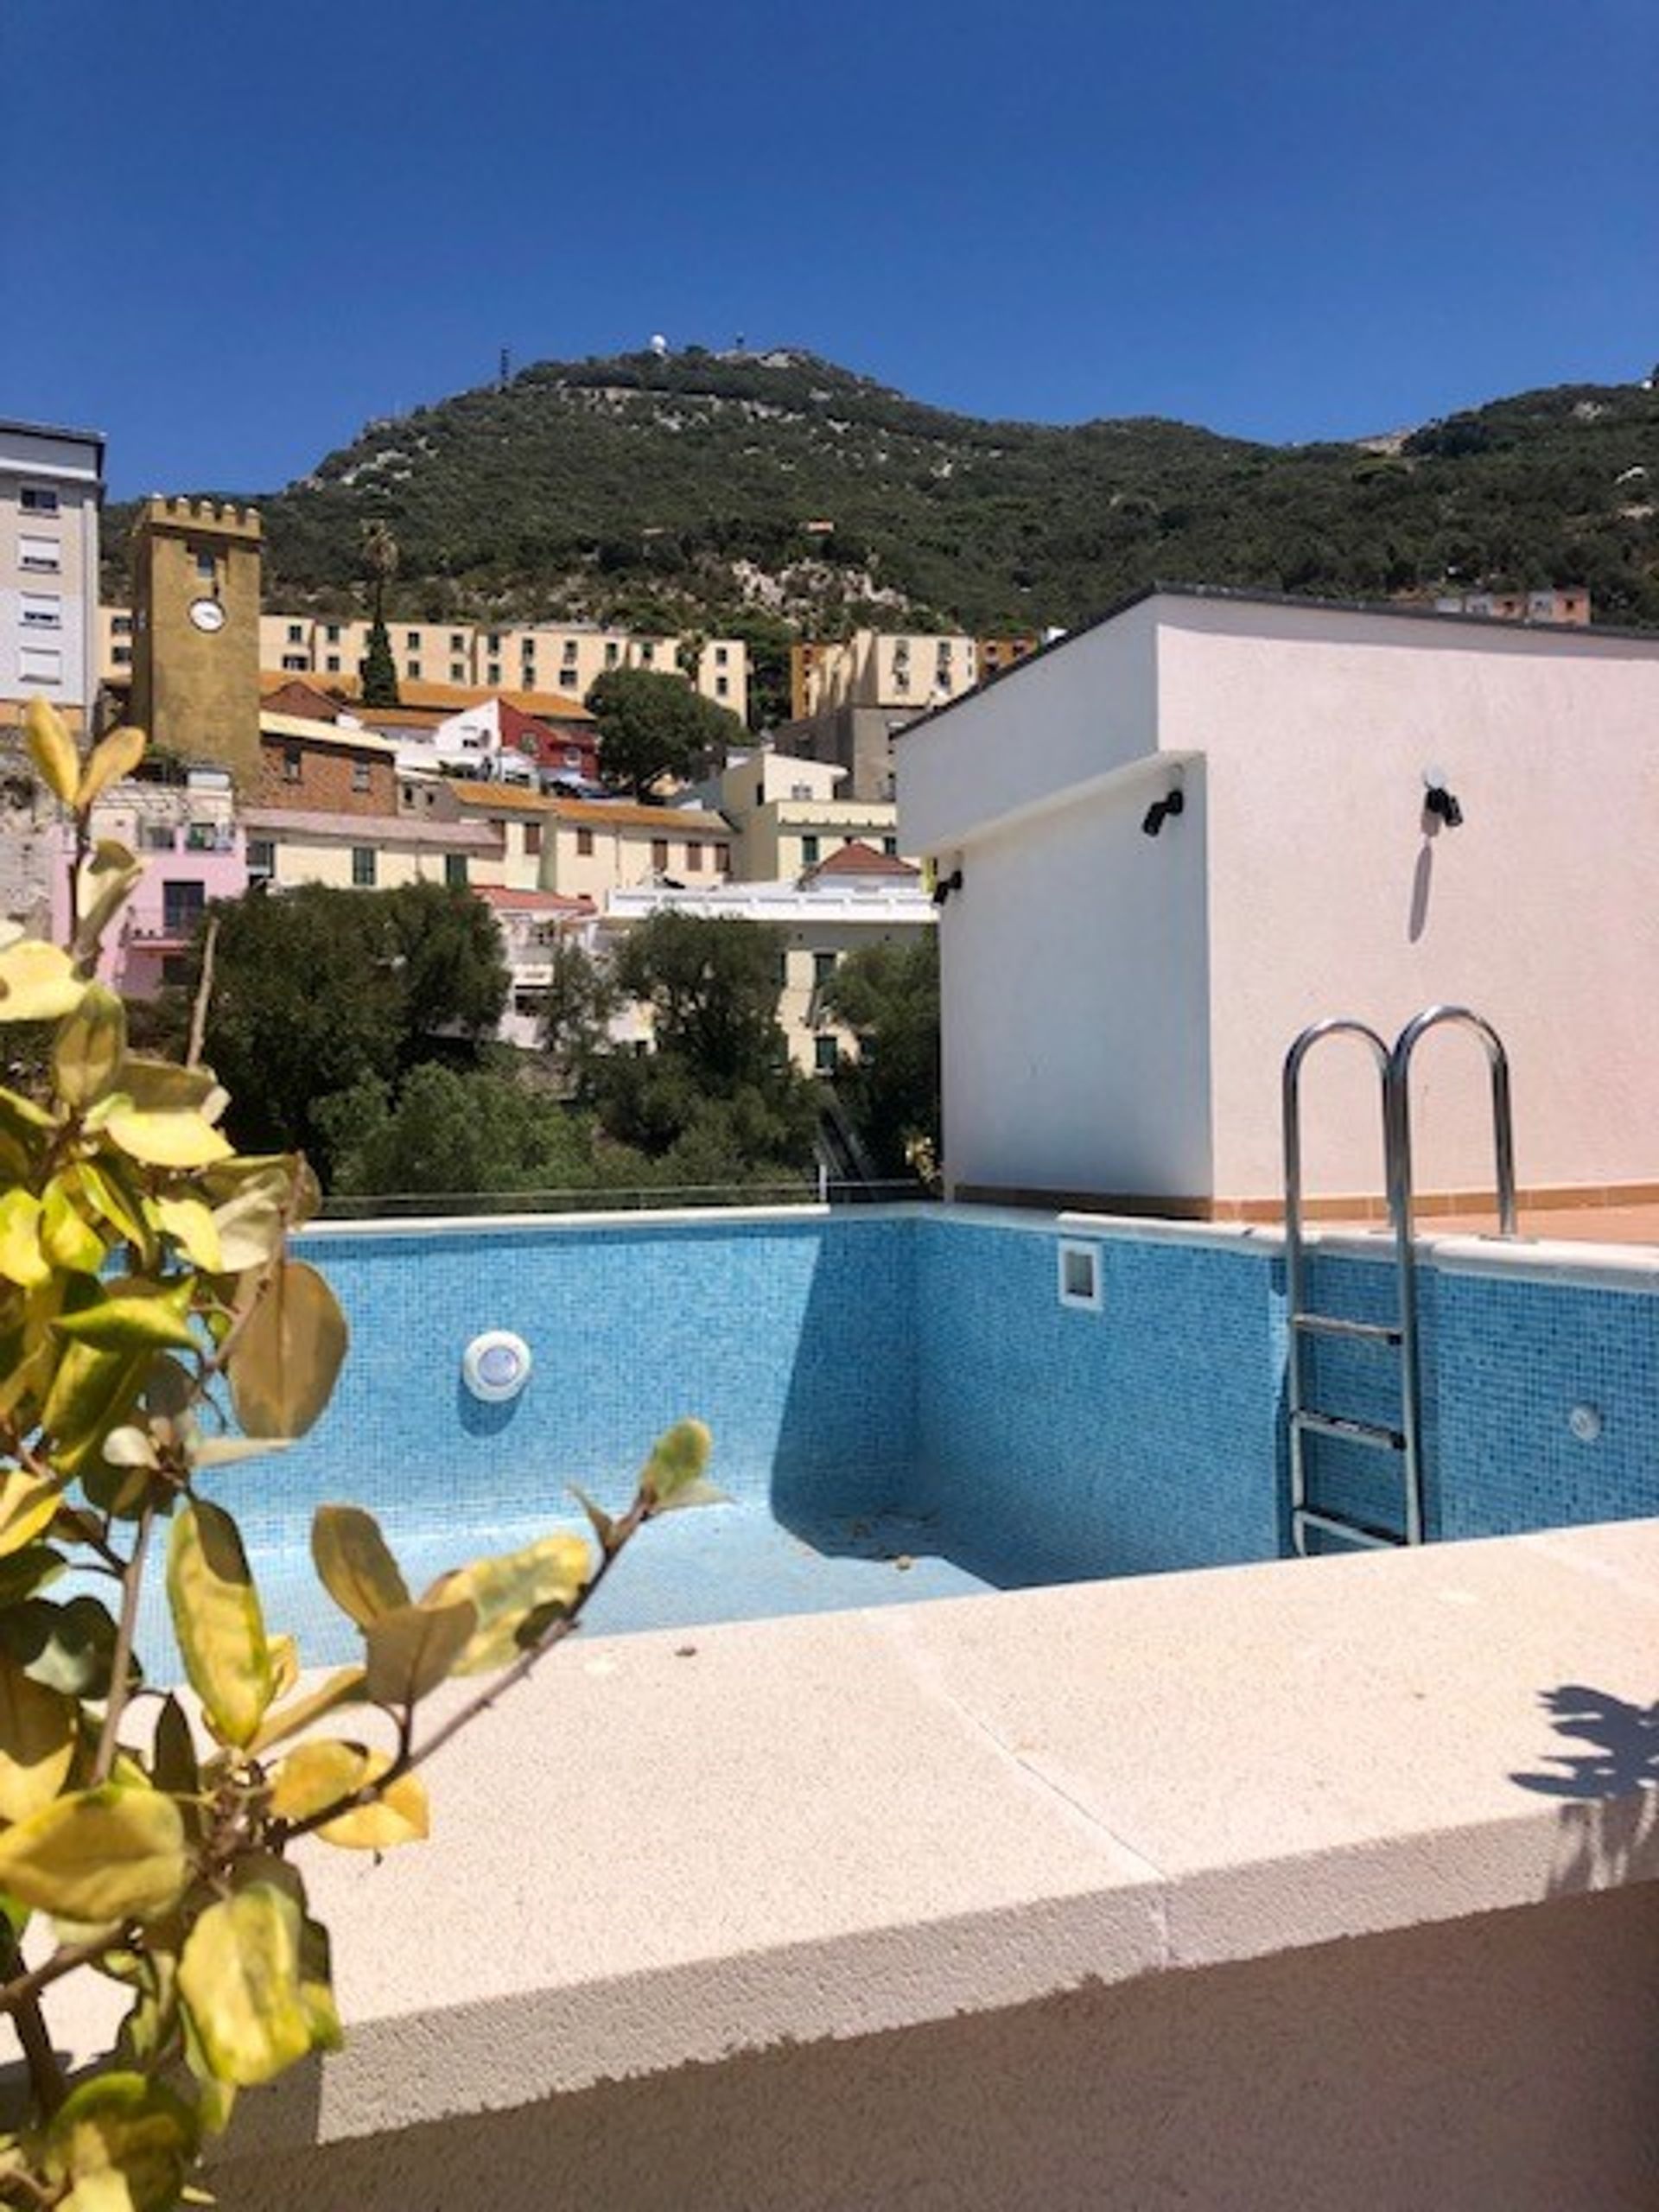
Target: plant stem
[
  {"x": 16, "y": 1994},
  {"x": 204, "y": 994},
  {"x": 132, "y": 1582},
  {"x": 45, "y": 2074}
]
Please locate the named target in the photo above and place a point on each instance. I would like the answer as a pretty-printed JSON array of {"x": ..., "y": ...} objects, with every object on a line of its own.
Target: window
[
  {"x": 901, "y": 679},
  {"x": 121, "y": 626},
  {"x": 360, "y": 775},
  {"x": 647, "y": 653},
  {"x": 826, "y": 1055},
  {"x": 457, "y": 642},
  {"x": 296, "y": 633},
  {"x": 122, "y": 656},
  {"x": 722, "y": 685},
  {"x": 532, "y": 839},
  {"x": 182, "y": 907},
  {"x": 823, "y": 967},
  {"x": 659, "y": 854},
  {"x": 155, "y": 837},
  {"x": 295, "y": 661},
  {"x": 362, "y": 860},
  {"x": 613, "y": 654},
  {"x": 332, "y": 664},
  {"x": 493, "y": 641},
  {"x": 331, "y": 633},
  {"x": 41, "y": 554},
  {"x": 412, "y": 641},
  {"x": 39, "y": 500},
  {"x": 261, "y": 858},
  {"x": 42, "y": 610},
  {"x": 206, "y": 564},
  {"x": 721, "y": 655},
  {"x": 693, "y": 859},
  {"x": 723, "y": 860},
  {"x": 455, "y": 870},
  {"x": 809, "y": 852},
  {"x": 457, "y": 671},
  {"x": 569, "y": 649},
  {"x": 527, "y": 655},
  {"x": 40, "y": 664},
  {"x": 890, "y": 847},
  {"x": 584, "y": 842},
  {"x": 412, "y": 668},
  {"x": 293, "y": 764}
]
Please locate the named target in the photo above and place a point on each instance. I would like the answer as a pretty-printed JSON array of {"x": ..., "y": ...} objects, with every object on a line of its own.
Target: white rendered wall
[
  {"x": 1073, "y": 995},
  {"x": 1326, "y": 896}
]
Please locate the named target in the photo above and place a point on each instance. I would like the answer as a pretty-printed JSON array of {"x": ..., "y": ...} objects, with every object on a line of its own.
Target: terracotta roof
[
  {"x": 369, "y": 829},
  {"x": 860, "y": 859},
  {"x": 293, "y": 695},
  {"x": 532, "y": 902},
  {"x": 615, "y": 814}
]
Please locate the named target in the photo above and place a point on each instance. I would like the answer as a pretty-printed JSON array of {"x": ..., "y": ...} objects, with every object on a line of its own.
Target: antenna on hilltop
[{"x": 505, "y": 374}]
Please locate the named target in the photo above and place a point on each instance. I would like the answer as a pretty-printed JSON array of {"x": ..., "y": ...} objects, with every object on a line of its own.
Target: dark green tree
[
  {"x": 378, "y": 670},
  {"x": 455, "y": 1131},
  {"x": 449, "y": 954},
  {"x": 888, "y": 996},
  {"x": 652, "y": 726},
  {"x": 581, "y": 999}
]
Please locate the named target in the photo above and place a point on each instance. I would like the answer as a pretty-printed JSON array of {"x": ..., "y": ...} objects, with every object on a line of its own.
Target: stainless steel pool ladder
[{"x": 1399, "y": 1337}]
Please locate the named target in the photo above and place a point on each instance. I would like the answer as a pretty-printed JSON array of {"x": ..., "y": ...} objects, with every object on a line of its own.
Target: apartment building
[
  {"x": 51, "y": 485},
  {"x": 287, "y": 846},
  {"x": 562, "y": 658},
  {"x": 326, "y": 767},
  {"x": 1568, "y": 603},
  {"x": 789, "y": 815}
]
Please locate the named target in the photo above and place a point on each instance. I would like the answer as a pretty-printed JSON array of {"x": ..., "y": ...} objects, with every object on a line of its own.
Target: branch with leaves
[{"x": 153, "y": 1329}]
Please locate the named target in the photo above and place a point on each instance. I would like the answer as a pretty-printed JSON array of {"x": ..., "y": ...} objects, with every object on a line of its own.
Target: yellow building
[
  {"x": 196, "y": 635},
  {"x": 896, "y": 669},
  {"x": 789, "y": 817},
  {"x": 587, "y": 848},
  {"x": 363, "y": 852}
]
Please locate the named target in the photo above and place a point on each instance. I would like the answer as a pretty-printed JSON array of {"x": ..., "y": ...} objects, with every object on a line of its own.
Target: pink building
[{"x": 194, "y": 853}]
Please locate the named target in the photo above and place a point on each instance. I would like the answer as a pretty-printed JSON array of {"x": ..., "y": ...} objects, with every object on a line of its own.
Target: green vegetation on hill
[{"x": 677, "y": 491}]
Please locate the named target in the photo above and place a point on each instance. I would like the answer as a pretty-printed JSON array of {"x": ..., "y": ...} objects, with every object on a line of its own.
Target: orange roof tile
[
  {"x": 616, "y": 814},
  {"x": 860, "y": 859}
]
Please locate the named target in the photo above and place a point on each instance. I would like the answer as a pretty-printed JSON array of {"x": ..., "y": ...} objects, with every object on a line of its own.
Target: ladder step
[
  {"x": 1331, "y": 1324},
  {"x": 1350, "y": 1431},
  {"x": 1352, "y": 1532}
]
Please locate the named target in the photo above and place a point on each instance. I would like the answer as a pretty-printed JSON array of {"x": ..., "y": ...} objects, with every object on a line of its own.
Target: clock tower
[{"x": 195, "y": 632}]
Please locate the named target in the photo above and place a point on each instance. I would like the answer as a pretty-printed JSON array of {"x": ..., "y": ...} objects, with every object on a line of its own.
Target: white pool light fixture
[
  {"x": 496, "y": 1366},
  {"x": 1585, "y": 1421}
]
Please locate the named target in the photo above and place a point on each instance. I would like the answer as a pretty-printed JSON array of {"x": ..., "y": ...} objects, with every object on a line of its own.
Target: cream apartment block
[
  {"x": 287, "y": 846},
  {"x": 788, "y": 816},
  {"x": 565, "y": 658},
  {"x": 51, "y": 484},
  {"x": 587, "y": 848}
]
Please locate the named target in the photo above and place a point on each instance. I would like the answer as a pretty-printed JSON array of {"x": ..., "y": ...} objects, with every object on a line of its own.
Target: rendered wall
[
  {"x": 1499, "y": 2064},
  {"x": 1327, "y": 896}
]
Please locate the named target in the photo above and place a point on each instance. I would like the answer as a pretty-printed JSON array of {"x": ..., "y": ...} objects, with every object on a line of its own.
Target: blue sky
[{"x": 240, "y": 230}]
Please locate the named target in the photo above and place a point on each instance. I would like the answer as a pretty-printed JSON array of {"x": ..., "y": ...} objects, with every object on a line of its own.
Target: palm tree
[{"x": 378, "y": 670}]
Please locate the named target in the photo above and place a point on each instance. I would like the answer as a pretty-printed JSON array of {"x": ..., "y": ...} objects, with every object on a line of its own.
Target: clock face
[{"x": 207, "y": 615}]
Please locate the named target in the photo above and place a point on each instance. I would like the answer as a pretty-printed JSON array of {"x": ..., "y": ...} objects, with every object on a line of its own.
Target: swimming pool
[{"x": 903, "y": 1407}]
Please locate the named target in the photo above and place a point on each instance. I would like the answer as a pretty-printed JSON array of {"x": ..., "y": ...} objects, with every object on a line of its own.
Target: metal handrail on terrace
[{"x": 810, "y": 1192}]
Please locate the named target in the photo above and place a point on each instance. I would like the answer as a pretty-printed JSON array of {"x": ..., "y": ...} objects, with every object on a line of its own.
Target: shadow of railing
[{"x": 1610, "y": 1818}]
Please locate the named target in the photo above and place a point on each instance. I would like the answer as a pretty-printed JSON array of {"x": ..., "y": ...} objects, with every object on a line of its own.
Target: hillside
[{"x": 676, "y": 490}]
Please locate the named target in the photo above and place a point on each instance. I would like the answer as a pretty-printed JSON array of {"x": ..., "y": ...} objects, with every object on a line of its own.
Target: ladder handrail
[
  {"x": 1398, "y": 1082},
  {"x": 1290, "y": 1079}
]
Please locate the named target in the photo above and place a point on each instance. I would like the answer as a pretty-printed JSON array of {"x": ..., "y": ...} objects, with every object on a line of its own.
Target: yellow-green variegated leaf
[
  {"x": 132, "y": 1322},
  {"x": 285, "y": 1361},
  {"x": 38, "y": 982},
  {"x": 100, "y": 1856},
  {"x": 158, "y": 1086},
  {"x": 26, "y": 1504},
  {"x": 677, "y": 1460},
  {"x": 250, "y": 1221},
  {"x": 88, "y": 1047},
  {"x": 217, "y": 1620},
  {"x": 190, "y": 1225},
  {"x": 410, "y": 1651},
  {"x": 125, "y": 2141},
  {"x": 51, "y": 749},
  {"x": 317, "y": 1987},
  {"x": 38, "y": 1735},
  {"x": 123, "y": 1211},
  {"x": 317, "y": 1774},
  {"x": 347, "y": 1685},
  {"x": 166, "y": 1139},
  {"x": 22, "y": 1260},
  {"x": 240, "y": 1977},
  {"x": 111, "y": 757},
  {"x": 400, "y": 1815},
  {"x": 511, "y": 1593},
  {"x": 355, "y": 1565},
  {"x": 103, "y": 882},
  {"x": 68, "y": 1238}
]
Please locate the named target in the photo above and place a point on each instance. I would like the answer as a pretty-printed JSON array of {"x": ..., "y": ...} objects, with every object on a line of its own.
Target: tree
[
  {"x": 577, "y": 1008},
  {"x": 318, "y": 989},
  {"x": 888, "y": 996},
  {"x": 378, "y": 670},
  {"x": 146, "y": 1295},
  {"x": 652, "y": 726},
  {"x": 451, "y": 1130}
]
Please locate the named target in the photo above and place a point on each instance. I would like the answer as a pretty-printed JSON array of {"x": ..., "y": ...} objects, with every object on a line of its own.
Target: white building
[
  {"x": 1116, "y": 1004},
  {"x": 857, "y": 896},
  {"x": 51, "y": 484}
]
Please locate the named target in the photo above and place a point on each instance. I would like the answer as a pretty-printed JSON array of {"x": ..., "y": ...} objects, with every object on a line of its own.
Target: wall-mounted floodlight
[
  {"x": 945, "y": 885},
  {"x": 1438, "y": 801},
  {"x": 1161, "y": 810}
]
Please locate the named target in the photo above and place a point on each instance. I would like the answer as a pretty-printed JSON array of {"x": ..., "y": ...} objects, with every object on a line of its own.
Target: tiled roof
[
  {"x": 369, "y": 829},
  {"x": 315, "y": 733},
  {"x": 615, "y": 814},
  {"x": 532, "y": 902},
  {"x": 446, "y": 698},
  {"x": 860, "y": 859}
]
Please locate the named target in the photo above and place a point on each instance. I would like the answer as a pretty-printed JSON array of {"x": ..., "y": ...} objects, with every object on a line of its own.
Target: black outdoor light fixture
[
  {"x": 1161, "y": 810},
  {"x": 1438, "y": 801},
  {"x": 945, "y": 885}
]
